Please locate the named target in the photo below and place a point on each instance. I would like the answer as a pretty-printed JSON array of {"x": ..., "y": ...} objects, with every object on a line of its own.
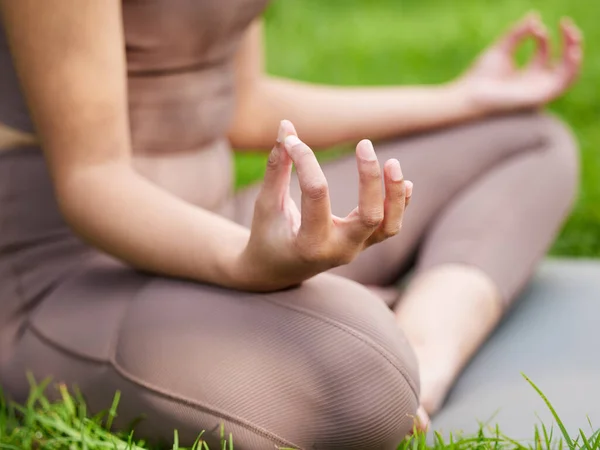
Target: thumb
[{"x": 279, "y": 168}]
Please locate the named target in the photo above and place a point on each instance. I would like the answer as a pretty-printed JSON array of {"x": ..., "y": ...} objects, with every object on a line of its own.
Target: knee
[
  {"x": 362, "y": 376},
  {"x": 560, "y": 159},
  {"x": 320, "y": 366}
]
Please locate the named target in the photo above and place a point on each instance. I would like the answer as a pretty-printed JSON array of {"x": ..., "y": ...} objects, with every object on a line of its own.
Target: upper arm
[
  {"x": 249, "y": 67},
  {"x": 249, "y": 72},
  {"x": 70, "y": 61}
]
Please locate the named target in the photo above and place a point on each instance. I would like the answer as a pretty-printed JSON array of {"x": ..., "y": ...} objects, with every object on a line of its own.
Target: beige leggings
[{"x": 323, "y": 366}]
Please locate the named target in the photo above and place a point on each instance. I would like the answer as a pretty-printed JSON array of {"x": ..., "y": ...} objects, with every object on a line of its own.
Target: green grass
[
  {"x": 66, "y": 424},
  {"x": 377, "y": 42}
]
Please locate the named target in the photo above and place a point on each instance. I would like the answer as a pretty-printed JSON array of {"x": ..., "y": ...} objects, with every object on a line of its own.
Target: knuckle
[
  {"x": 372, "y": 219},
  {"x": 317, "y": 190},
  {"x": 397, "y": 192},
  {"x": 370, "y": 170}
]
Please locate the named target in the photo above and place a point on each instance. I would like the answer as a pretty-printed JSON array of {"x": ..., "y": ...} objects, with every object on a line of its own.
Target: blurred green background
[{"x": 375, "y": 42}]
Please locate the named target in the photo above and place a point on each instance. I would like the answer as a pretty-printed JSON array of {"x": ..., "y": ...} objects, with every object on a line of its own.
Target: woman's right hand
[{"x": 287, "y": 246}]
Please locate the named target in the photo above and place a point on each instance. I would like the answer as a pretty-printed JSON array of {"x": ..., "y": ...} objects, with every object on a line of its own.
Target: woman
[{"x": 204, "y": 307}]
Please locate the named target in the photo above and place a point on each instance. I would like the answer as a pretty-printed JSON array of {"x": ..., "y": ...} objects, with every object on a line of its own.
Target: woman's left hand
[{"x": 496, "y": 84}]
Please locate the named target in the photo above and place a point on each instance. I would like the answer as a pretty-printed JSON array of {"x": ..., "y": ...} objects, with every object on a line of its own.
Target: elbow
[
  {"x": 81, "y": 193},
  {"x": 249, "y": 133},
  {"x": 253, "y": 127},
  {"x": 75, "y": 193},
  {"x": 250, "y": 129}
]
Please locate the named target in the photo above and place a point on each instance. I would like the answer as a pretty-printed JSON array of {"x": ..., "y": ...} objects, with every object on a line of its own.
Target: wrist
[
  {"x": 231, "y": 267},
  {"x": 243, "y": 273},
  {"x": 460, "y": 92},
  {"x": 249, "y": 271},
  {"x": 238, "y": 271}
]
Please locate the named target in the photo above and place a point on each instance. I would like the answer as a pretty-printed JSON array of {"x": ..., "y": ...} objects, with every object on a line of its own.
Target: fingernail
[
  {"x": 273, "y": 157},
  {"x": 409, "y": 188},
  {"x": 366, "y": 151},
  {"x": 291, "y": 141},
  {"x": 281, "y": 131},
  {"x": 396, "y": 171}
]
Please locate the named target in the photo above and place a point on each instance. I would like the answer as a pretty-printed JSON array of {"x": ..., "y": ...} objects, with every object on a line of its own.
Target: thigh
[
  {"x": 324, "y": 365},
  {"x": 441, "y": 164}
]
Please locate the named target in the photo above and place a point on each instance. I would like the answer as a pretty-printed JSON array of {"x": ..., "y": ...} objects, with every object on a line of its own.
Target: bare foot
[
  {"x": 422, "y": 421},
  {"x": 435, "y": 384}
]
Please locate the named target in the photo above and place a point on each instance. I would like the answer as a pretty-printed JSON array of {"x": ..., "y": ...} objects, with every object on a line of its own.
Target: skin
[
  {"x": 437, "y": 312},
  {"x": 85, "y": 137}
]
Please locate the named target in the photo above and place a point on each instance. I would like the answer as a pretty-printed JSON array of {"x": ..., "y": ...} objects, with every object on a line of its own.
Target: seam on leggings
[
  {"x": 61, "y": 348},
  {"x": 206, "y": 408},
  {"x": 111, "y": 362},
  {"x": 210, "y": 409},
  {"x": 361, "y": 337},
  {"x": 177, "y": 397},
  {"x": 30, "y": 325}
]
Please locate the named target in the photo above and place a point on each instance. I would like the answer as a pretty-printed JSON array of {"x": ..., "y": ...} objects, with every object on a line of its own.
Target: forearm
[
  {"x": 123, "y": 214},
  {"x": 327, "y": 115}
]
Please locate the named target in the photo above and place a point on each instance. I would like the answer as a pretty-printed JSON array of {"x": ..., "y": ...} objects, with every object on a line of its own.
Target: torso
[{"x": 181, "y": 92}]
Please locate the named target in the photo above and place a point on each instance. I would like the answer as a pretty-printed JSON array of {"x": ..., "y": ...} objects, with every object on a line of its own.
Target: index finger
[
  {"x": 523, "y": 29},
  {"x": 316, "y": 207}
]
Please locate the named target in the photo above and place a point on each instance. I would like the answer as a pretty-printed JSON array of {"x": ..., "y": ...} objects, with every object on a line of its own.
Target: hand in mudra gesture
[
  {"x": 495, "y": 83},
  {"x": 289, "y": 244}
]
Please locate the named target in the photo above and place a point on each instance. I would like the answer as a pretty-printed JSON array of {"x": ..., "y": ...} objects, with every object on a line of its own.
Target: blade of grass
[{"x": 559, "y": 422}]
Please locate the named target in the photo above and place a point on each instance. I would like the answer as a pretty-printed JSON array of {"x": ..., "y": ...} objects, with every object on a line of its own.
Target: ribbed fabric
[{"x": 323, "y": 366}]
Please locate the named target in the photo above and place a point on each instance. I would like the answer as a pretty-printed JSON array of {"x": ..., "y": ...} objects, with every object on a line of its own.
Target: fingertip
[
  {"x": 365, "y": 150},
  {"x": 285, "y": 128},
  {"x": 534, "y": 18},
  {"x": 540, "y": 30},
  {"x": 566, "y": 21},
  {"x": 517, "y": 32},
  {"x": 572, "y": 42},
  {"x": 570, "y": 29},
  {"x": 408, "y": 185},
  {"x": 365, "y": 142},
  {"x": 395, "y": 170},
  {"x": 528, "y": 20}
]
